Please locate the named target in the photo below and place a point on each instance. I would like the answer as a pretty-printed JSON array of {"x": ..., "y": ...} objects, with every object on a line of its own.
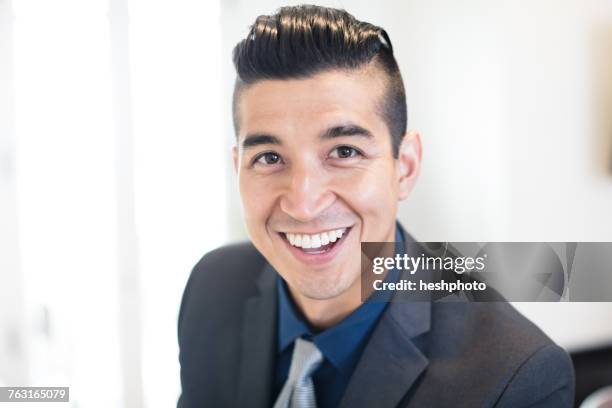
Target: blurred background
[{"x": 115, "y": 173}]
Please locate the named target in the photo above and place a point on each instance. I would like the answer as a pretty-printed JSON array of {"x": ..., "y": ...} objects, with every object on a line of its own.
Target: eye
[
  {"x": 267, "y": 159},
  {"x": 345, "y": 152}
]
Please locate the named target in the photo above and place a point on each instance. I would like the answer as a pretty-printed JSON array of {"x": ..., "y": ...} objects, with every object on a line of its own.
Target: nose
[{"x": 307, "y": 194}]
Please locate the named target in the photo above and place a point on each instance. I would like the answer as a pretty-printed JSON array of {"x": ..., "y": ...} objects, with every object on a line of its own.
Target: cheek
[
  {"x": 370, "y": 191},
  {"x": 257, "y": 201},
  {"x": 373, "y": 196}
]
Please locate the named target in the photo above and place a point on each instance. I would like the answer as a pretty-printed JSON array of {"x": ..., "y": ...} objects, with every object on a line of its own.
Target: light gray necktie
[{"x": 298, "y": 391}]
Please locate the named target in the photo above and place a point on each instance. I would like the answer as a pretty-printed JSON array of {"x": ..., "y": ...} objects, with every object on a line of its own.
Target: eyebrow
[
  {"x": 252, "y": 140},
  {"x": 346, "y": 130},
  {"x": 259, "y": 139}
]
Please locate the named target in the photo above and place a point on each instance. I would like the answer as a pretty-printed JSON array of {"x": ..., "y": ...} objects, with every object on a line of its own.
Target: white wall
[
  {"x": 514, "y": 102},
  {"x": 13, "y": 355},
  {"x": 110, "y": 134}
]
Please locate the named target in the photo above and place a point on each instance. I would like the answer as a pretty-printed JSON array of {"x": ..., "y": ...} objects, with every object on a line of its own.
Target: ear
[
  {"x": 409, "y": 163},
  {"x": 235, "y": 158}
]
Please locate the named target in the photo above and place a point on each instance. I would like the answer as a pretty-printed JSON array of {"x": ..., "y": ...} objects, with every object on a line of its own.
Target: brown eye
[
  {"x": 268, "y": 158},
  {"x": 344, "y": 152}
]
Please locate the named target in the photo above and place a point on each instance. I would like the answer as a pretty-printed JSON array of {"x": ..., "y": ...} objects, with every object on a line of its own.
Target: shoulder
[
  {"x": 544, "y": 379},
  {"x": 503, "y": 351},
  {"x": 211, "y": 320},
  {"x": 234, "y": 267},
  {"x": 229, "y": 258},
  {"x": 219, "y": 281},
  {"x": 538, "y": 372},
  {"x": 496, "y": 327}
]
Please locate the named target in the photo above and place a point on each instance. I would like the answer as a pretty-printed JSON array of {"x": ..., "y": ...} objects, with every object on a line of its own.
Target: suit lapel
[
  {"x": 259, "y": 343},
  {"x": 391, "y": 362}
]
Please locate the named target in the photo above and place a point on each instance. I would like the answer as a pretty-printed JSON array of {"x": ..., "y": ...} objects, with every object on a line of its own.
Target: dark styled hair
[{"x": 302, "y": 41}]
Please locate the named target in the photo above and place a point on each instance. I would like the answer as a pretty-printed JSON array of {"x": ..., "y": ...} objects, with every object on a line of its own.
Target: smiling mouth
[{"x": 316, "y": 243}]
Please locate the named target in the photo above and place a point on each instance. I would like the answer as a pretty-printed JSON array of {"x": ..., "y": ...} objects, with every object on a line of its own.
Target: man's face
[{"x": 317, "y": 176}]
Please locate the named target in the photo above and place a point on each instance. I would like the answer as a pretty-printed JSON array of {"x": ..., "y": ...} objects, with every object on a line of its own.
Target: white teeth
[{"x": 314, "y": 241}]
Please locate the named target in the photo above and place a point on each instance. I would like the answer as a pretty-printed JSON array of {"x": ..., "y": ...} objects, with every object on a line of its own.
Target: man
[{"x": 322, "y": 157}]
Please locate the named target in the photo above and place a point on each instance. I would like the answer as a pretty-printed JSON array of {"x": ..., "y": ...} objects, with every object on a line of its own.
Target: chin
[{"x": 323, "y": 287}]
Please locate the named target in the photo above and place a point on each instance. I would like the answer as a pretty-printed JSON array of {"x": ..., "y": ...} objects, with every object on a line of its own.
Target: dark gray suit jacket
[{"x": 421, "y": 354}]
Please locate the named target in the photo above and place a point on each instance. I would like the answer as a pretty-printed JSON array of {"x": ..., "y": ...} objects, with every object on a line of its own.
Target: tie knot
[{"x": 305, "y": 360}]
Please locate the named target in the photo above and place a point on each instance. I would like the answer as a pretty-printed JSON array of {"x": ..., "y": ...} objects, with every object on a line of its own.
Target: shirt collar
[
  {"x": 291, "y": 322},
  {"x": 339, "y": 342}
]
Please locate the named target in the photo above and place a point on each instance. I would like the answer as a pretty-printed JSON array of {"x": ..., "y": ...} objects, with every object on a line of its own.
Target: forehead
[{"x": 313, "y": 103}]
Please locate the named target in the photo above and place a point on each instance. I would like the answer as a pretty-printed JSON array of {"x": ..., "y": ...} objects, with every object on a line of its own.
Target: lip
[
  {"x": 313, "y": 232},
  {"x": 317, "y": 259}
]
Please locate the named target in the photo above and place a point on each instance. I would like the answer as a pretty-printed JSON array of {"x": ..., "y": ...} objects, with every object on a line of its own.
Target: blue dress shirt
[{"x": 341, "y": 345}]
